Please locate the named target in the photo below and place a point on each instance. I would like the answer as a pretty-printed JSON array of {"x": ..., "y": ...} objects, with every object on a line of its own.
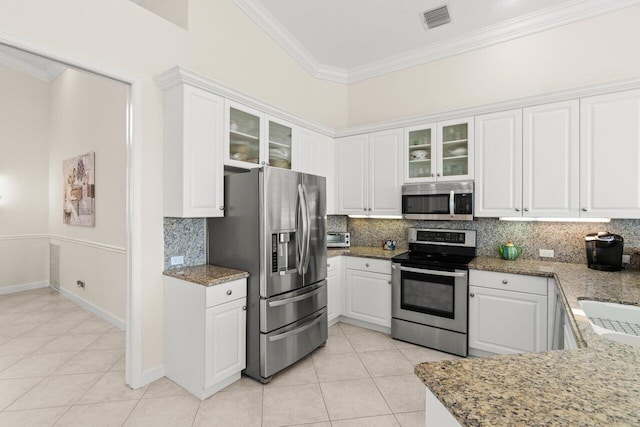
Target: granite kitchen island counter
[
  {"x": 596, "y": 384},
  {"x": 206, "y": 274}
]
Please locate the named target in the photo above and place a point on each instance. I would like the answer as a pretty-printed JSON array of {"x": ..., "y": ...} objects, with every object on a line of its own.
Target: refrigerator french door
[{"x": 274, "y": 228}]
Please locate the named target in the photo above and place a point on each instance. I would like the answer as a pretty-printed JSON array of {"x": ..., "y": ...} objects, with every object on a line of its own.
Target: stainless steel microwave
[
  {"x": 441, "y": 201},
  {"x": 338, "y": 240}
]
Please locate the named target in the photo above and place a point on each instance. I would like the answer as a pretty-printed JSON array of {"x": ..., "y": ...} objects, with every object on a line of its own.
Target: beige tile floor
[{"x": 61, "y": 365}]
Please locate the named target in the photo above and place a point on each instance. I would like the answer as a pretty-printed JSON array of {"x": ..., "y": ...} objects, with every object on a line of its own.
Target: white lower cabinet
[
  {"x": 204, "y": 334},
  {"x": 368, "y": 290},
  {"x": 507, "y": 313},
  {"x": 570, "y": 341},
  {"x": 335, "y": 294}
]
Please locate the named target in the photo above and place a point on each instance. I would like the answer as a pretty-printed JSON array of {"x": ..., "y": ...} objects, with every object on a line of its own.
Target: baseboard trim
[
  {"x": 24, "y": 287},
  {"x": 151, "y": 375},
  {"x": 104, "y": 315},
  {"x": 363, "y": 324}
]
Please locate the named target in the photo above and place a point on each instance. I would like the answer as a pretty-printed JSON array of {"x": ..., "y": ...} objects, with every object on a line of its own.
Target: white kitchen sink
[{"x": 617, "y": 322}]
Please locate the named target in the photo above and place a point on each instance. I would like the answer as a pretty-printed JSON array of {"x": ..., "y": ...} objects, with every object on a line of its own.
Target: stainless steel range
[{"x": 430, "y": 285}]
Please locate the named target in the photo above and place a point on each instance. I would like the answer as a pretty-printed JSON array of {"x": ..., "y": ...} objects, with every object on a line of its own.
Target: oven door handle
[{"x": 432, "y": 272}]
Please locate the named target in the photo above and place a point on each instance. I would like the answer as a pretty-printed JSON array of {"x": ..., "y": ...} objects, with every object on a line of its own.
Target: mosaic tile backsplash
[
  {"x": 566, "y": 239},
  {"x": 186, "y": 237}
]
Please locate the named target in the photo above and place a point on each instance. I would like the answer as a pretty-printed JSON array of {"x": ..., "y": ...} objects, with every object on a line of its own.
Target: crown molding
[
  {"x": 529, "y": 101},
  {"x": 545, "y": 19},
  {"x": 46, "y": 74},
  {"x": 274, "y": 28},
  {"x": 179, "y": 75}
]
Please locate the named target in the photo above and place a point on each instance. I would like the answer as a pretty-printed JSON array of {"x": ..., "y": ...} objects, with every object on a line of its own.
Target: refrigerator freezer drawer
[
  {"x": 287, "y": 345},
  {"x": 287, "y": 308}
]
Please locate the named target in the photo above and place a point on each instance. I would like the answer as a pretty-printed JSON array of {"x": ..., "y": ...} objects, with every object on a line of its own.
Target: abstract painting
[{"x": 78, "y": 174}]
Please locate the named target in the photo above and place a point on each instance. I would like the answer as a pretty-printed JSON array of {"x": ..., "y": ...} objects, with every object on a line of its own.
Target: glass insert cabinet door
[
  {"x": 420, "y": 154},
  {"x": 244, "y": 136},
  {"x": 455, "y": 149},
  {"x": 280, "y": 146}
]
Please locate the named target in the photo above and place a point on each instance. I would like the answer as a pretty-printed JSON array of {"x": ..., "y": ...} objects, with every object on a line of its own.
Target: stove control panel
[{"x": 465, "y": 238}]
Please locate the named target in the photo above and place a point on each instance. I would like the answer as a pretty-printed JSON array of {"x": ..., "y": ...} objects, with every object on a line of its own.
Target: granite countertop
[
  {"x": 365, "y": 252},
  {"x": 597, "y": 384},
  {"x": 206, "y": 274}
]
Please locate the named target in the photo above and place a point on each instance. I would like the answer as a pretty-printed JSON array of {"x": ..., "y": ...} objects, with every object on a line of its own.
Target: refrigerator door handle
[
  {"x": 300, "y": 230},
  {"x": 307, "y": 232}
]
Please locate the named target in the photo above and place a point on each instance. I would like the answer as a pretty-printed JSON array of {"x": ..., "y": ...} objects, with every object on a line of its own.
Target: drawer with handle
[
  {"x": 225, "y": 292},
  {"x": 508, "y": 281},
  {"x": 369, "y": 264}
]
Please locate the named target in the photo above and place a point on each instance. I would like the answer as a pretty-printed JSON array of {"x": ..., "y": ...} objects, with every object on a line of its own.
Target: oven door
[{"x": 430, "y": 297}]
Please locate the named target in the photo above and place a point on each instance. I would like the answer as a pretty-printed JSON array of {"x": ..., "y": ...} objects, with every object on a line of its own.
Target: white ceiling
[{"x": 351, "y": 40}]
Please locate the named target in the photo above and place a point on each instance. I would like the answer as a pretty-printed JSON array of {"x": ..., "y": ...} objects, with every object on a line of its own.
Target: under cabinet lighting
[
  {"x": 376, "y": 216},
  {"x": 555, "y": 219}
]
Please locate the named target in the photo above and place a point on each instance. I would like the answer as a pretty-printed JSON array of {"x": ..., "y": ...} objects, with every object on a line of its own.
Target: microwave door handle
[
  {"x": 452, "y": 204},
  {"x": 432, "y": 272}
]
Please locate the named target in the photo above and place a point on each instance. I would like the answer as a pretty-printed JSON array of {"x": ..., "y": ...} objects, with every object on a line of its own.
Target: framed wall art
[{"x": 78, "y": 174}]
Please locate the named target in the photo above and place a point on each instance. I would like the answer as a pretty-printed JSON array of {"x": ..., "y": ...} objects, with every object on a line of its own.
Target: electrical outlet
[
  {"x": 626, "y": 259},
  {"x": 177, "y": 260},
  {"x": 546, "y": 253}
]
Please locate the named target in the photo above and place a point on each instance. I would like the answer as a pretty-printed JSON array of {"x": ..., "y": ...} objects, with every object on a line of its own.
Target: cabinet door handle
[
  {"x": 328, "y": 265},
  {"x": 244, "y": 308},
  {"x": 433, "y": 174},
  {"x": 472, "y": 295},
  {"x": 526, "y": 209},
  {"x": 229, "y": 292},
  {"x": 221, "y": 208},
  {"x": 366, "y": 265},
  {"x": 517, "y": 209},
  {"x": 389, "y": 281},
  {"x": 439, "y": 174},
  {"x": 264, "y": 163},
  {"x": 585, "y": 209},
  {"x": 504, "y": 282}
]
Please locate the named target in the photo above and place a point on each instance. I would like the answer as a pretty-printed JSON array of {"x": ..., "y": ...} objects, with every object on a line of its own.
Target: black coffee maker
[{"x": 604, "y": 251}]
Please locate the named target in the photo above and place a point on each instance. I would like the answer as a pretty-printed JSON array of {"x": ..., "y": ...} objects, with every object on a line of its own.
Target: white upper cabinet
[
  {"x": 610, "y": 155},
  {"x": 314, "y": 153},
  {"x": 550, "y": 160},
  {"x": 385, "y": 179},
  {"x": 498, "y": 189},
  {"x": 527, "y": 162},
  {"x": 440, "y": 151},
  {"x": 243, "y": 136},
  {"x": 254, "y": 139},
  {"x": 279, "y": 143},
  {"x": 369, "y": 173},
  {"x": 353, "y": 174},
  {"x": 193, "y": 158}
]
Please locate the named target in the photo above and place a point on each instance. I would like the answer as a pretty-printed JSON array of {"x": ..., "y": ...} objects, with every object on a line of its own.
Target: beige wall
[
  {"x": 24, "y": 178},
  {"x": 222, "y": 43},
  {"x": 88, "y": 113},
  {"x": 593, "y": 51}
]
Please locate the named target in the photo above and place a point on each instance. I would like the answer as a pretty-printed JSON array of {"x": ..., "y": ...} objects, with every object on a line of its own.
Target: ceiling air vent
[{"x": 436, "y": 17}]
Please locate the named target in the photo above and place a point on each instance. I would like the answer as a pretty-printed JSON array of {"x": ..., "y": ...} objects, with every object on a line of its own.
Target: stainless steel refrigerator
[{"x": 274, "y": 228}]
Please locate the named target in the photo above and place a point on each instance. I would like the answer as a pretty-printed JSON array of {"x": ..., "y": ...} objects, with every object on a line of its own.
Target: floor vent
[
  {"x": 54, "y": 266},
  {"x": 436, "y": 17}
]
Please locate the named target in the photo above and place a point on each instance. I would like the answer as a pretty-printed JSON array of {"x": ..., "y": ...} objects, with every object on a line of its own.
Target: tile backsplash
[
  {"x": 565, "y": 238},
  {"x": 185, "y": 237}
]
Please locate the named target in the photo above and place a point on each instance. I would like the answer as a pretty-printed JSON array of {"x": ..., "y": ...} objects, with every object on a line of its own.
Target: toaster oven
[{"x": 338, "y": 240}]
